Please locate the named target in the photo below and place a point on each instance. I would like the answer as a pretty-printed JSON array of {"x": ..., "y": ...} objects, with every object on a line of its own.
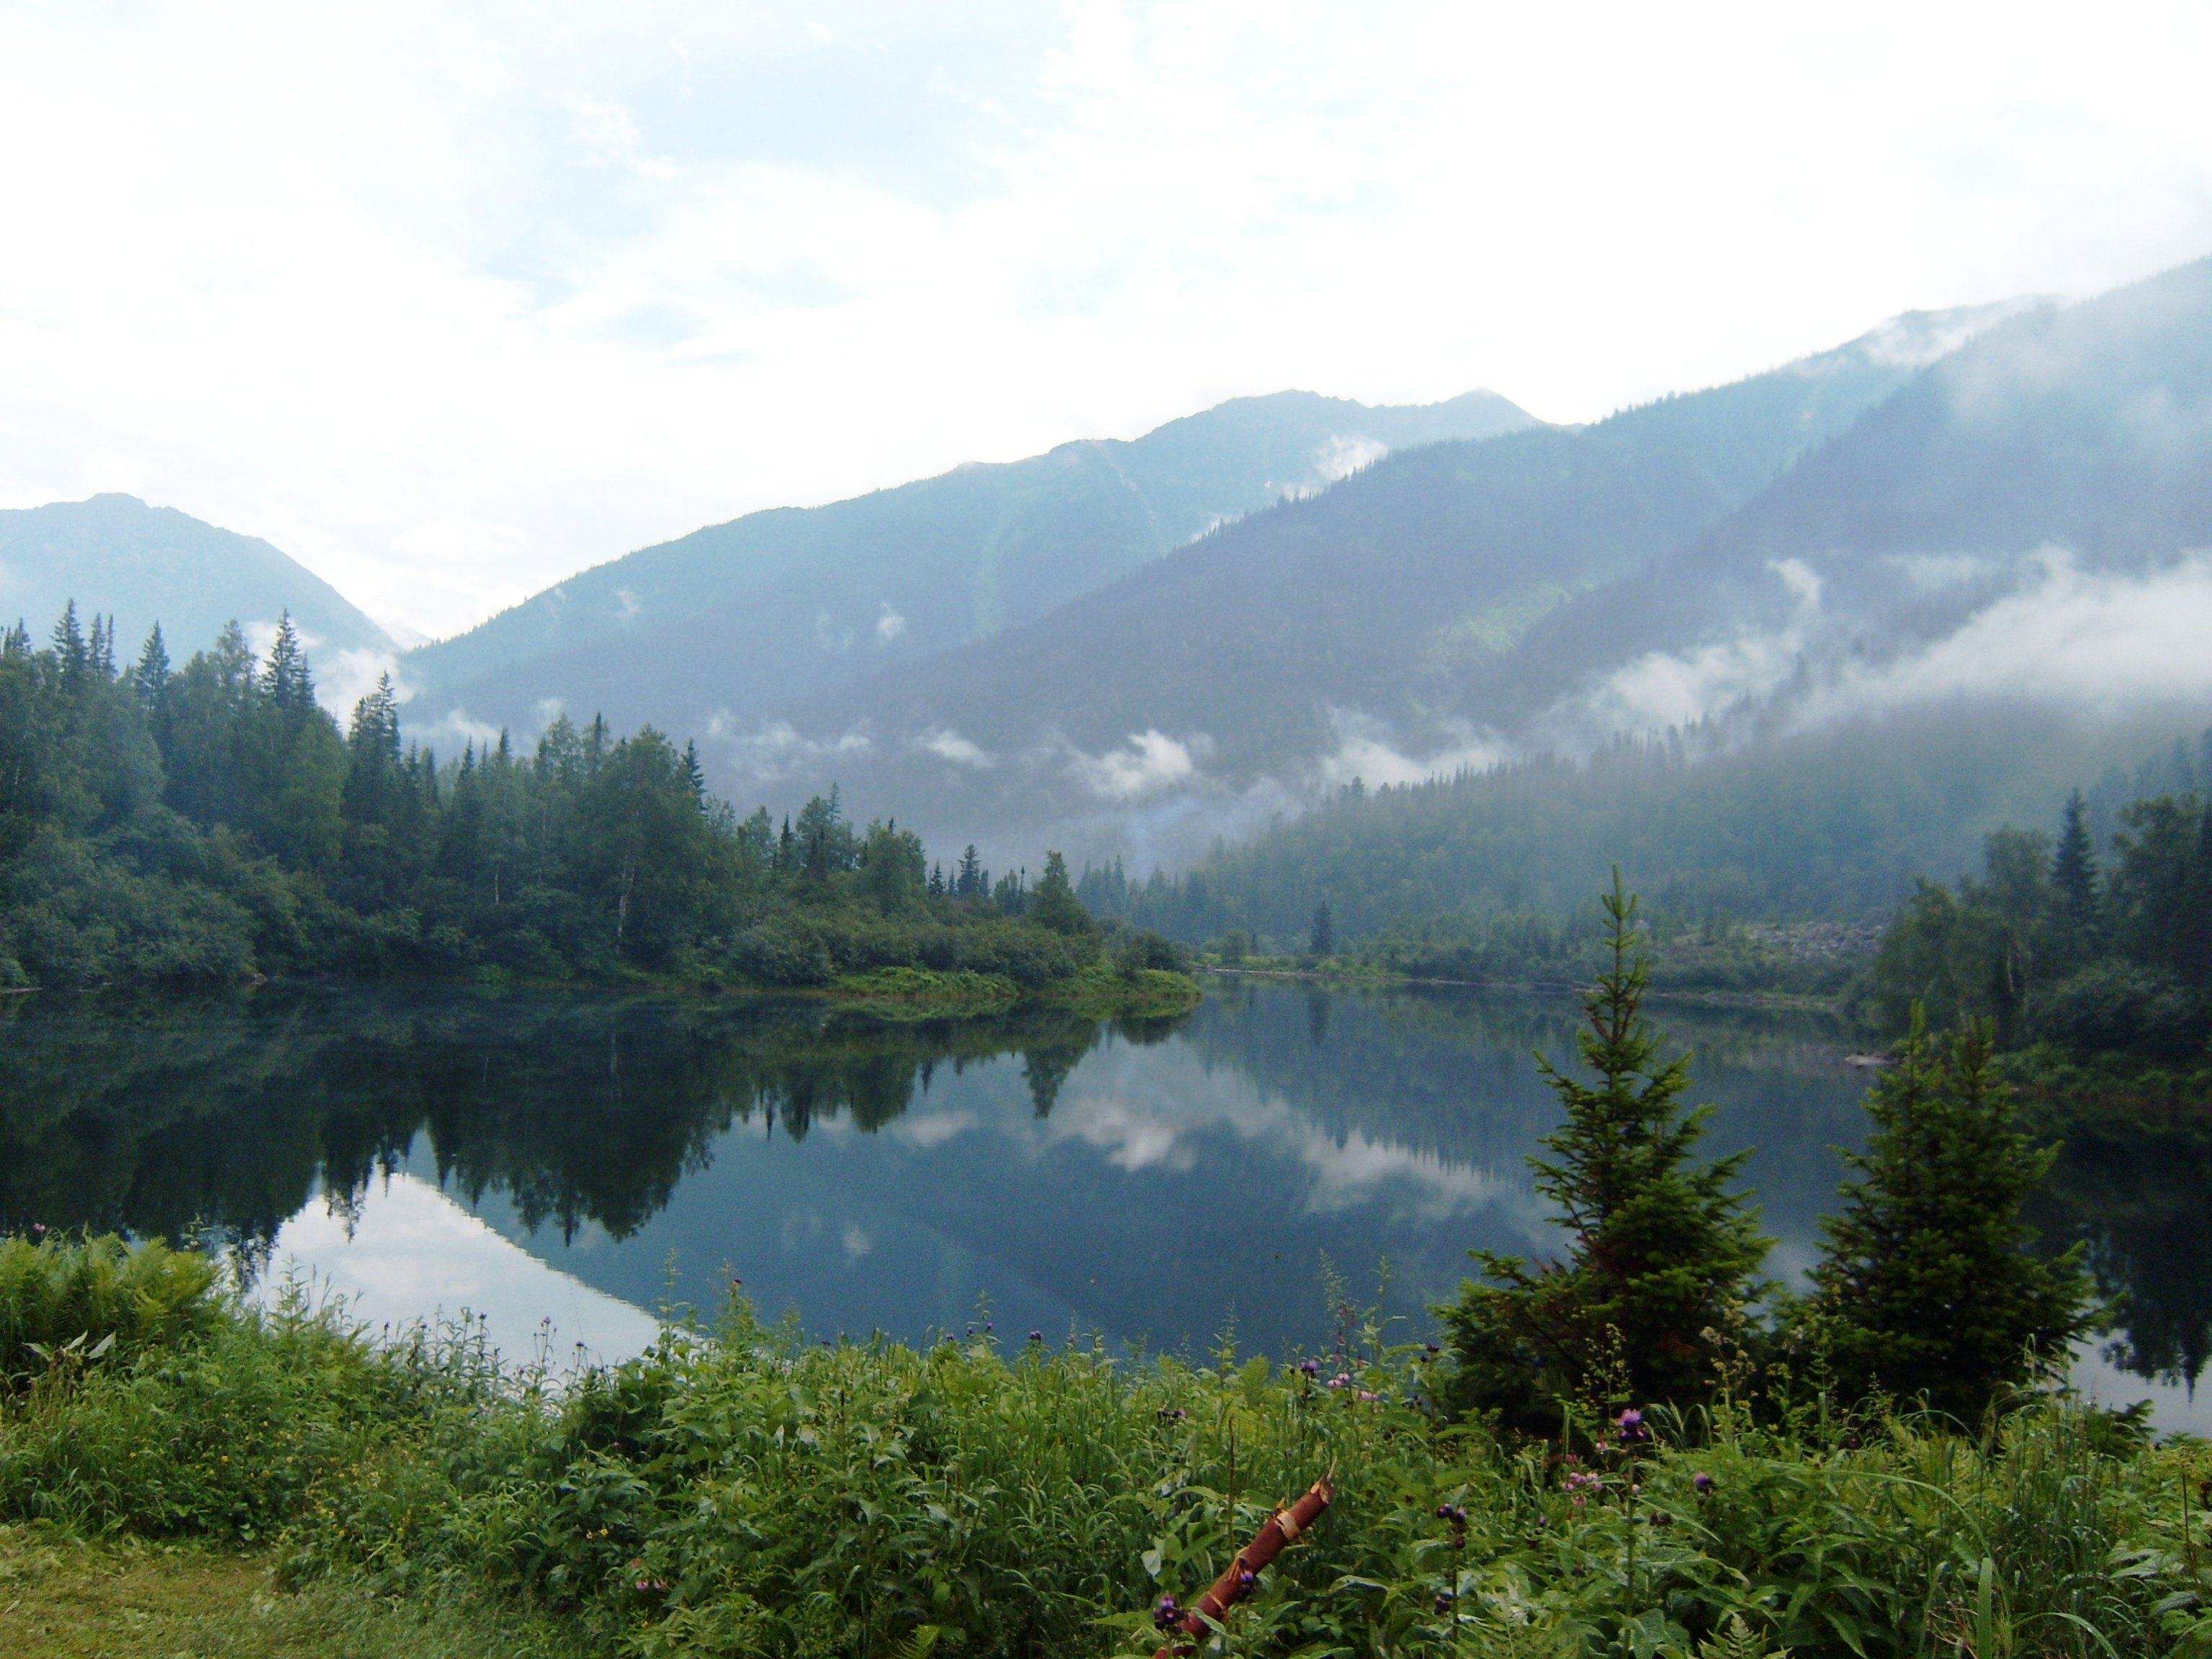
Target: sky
[{"x": 449, "y": 300}]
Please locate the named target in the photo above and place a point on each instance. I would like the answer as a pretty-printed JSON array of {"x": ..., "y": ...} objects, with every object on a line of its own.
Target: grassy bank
[
  {"x": 743, "y": 1494},
  {"x": 1099, "y": 992}
]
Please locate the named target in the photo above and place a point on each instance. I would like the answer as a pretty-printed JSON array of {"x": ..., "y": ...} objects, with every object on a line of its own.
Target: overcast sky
[{"x": 451, "y": 299}]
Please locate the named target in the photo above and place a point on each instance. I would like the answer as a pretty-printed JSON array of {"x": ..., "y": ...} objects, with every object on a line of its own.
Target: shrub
[{"x": 106, "y": 1297}]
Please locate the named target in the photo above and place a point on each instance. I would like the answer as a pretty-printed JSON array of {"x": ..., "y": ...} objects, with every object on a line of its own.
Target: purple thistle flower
[
  {"x": 1165, "y": 1614},
  {"x": 1310, "y": 1367},
  {"x": 1443, "y": 1603},
  {"x": 1246, "y": 1578},
  {"x": 1703, "y": 1483}
]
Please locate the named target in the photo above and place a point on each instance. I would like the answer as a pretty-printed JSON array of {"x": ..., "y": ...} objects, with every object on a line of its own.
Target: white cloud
[
  {"x": 1662, "y": 688},
  {"x": 451, "y": 302},
  {"x": 1344, "y": 455},
  {"x": 949, "y": 744},
  {"x": 344, "y": 679},
  {"x": 2101, "y": 642},
  {"x": 1365, "y": 751},
  {"x": 774, "y": 747},
  {"x": 890, "y": 625},
  {"x": 1150, "y": 761}
]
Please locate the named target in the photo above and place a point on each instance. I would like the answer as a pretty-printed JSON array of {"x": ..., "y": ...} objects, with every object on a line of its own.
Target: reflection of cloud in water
[
  {"x": 930, "y": 1129},
  {"x": 1351, "y": 1171},
  {"x": 1158, "y": 1128},
  {"x": 1131, "y": 1137},
  {"x": 407, "y": 1251}
]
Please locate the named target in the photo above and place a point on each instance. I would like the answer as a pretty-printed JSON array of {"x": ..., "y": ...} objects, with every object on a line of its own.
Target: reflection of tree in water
[
  {"x": 175, "y": 1115},
  {"x": 2137, "y": 1186}
]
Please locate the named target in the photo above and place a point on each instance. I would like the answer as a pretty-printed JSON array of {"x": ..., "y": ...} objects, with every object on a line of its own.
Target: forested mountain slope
[
  {"x": 1216, "y": 684},
  {"x": 734, "y": 618},
  {"x": 2075, "y": 440},
  {"x": 115, "y": 556},
  {"x": 1990, "y": 589}
]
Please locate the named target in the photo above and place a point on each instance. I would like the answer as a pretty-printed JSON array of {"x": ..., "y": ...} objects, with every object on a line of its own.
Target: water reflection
[{"x": 1154, "y": 1182}]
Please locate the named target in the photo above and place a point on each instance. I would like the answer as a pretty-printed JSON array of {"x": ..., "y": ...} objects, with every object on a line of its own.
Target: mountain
[
  {"x": 1325, "y": 636},
  {"x": 141, "y": 564},
  {"x": 2044, "y": 465},
  {"x": 732, "y": 620},
  {"x": 1989, "y": 589}
]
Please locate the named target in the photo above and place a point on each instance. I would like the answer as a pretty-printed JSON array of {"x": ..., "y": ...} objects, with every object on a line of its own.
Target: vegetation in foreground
[
  {"x": 744, "y": 1493},
  {"x": 211, "y": 822}
]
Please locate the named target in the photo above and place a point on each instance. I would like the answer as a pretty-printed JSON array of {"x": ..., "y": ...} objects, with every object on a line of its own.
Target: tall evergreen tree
[
  {"x": 1662, "y": 1254},
  {"x": 2076, "y": 879},
  {"x": 1055, "y": 905},
  {"x": 1925, "y": 1288},
  {"x": 1322, "y": 939}
]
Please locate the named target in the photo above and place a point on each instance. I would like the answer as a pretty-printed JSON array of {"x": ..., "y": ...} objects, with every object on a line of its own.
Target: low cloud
[
  {"x": 890, "y": 625},
  {"x": 1663, "y": 688},
  {"x": 1150, "y": 761},
  {"x": 2100, "y": 641},
  {"x": 344, "y": 679},
  {"x": 1366, "y": 750},
  {"x": 776, "y": 747},
  {"x": 1345, "y": 453},
  {"x": 948, "y": 745}
]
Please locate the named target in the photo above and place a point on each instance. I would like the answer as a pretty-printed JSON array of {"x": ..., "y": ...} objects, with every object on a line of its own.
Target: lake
[{"x": 560, "y": 1164}]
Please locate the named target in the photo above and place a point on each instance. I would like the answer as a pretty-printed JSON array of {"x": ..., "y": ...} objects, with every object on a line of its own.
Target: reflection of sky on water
[
  {"x": 408, "y": 1252},
  {"x": 873, "y": 1176},
  {"x": 1165, "y": 1195}
]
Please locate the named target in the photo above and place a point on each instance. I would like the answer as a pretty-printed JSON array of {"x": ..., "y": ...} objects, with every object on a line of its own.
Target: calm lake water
[{"x": 560, "y": 1164}]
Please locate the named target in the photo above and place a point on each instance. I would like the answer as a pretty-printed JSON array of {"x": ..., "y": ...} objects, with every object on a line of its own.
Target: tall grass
[{"x": 737, "y": 1492}]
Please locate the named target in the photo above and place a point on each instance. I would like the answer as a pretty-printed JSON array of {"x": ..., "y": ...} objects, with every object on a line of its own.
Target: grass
[
  {"x": 1099, "y": 992},
  {"x": 68, "y": 1597},
  {"x": 270, "y": 1480}
]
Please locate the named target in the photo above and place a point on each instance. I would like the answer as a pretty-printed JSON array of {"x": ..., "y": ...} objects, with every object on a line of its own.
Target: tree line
[
  {"x": 213, "y": 821},
  {"x": 2057, "y": 942}
]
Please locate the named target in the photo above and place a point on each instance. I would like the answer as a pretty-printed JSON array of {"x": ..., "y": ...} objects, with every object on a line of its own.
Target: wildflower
[
  {"x": 1310, "y": 1367},
  {"x": 1341, "y": 1379},
  {"x": 1246, "y": 1579},
  {"x": 1036, "y": 1336},
  {"x": 1629, "y": 1426},
  {"x": 1703, "y": 1483},
  {"x": 1369, "y": 1393},
  {"x": 1453, "y": 1513},
  {"x": 1433, "y": 1347},
  {"x": 1165, "y": 1614},
  {"x": 1443, "y": 1603}
]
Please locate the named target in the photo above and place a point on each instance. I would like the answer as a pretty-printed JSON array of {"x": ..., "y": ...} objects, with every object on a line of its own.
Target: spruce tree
[
  {"x": 1925, "y": 1289},
  {"x": 2074, "y": 878},
  {"x": 1662, "y": 1254},
  {"x": 1323, "y": 937},
  {"x": 1055, "y": 905}
]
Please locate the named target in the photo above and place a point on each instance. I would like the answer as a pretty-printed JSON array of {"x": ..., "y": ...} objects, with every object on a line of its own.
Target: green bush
[
  {"x": 746, "y": 1493},
  {"x": 107, "y": 1297}
]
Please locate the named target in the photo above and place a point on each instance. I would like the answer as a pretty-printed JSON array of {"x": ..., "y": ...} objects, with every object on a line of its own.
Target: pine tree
[
  {"x": 1323, "y": 938},
  {"x": 1053, "y": 904},
  {"x": 1925, "y": 1289},
  {"x": 1662, "y": 1253},
  {"x": 2074, "y": 877}
]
